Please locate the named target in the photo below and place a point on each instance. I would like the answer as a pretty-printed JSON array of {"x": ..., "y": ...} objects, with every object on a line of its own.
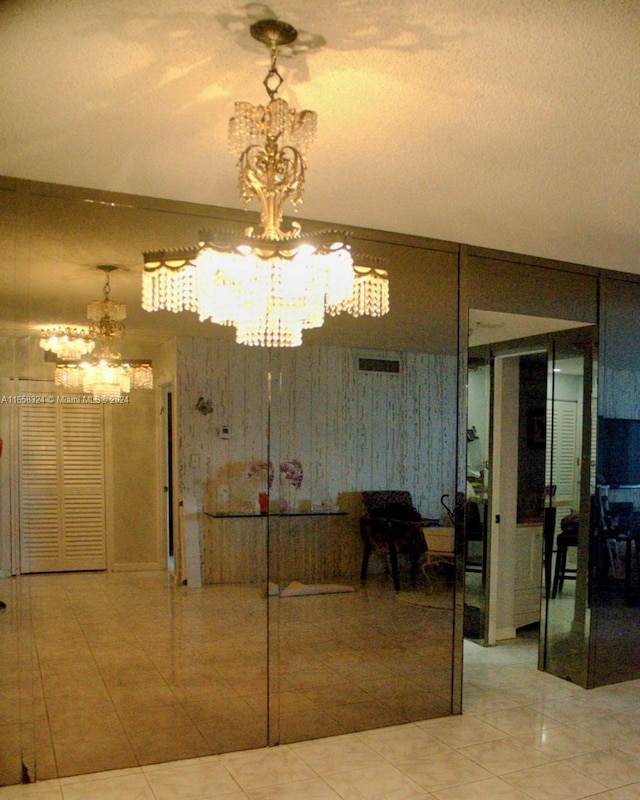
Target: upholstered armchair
[{"x": 392, "y": 526}]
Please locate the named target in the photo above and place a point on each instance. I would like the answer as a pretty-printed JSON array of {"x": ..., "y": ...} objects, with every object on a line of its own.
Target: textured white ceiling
[{"x": 510, "y": 124}]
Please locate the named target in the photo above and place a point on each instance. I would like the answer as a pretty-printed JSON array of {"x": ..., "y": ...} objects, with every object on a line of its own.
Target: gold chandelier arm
[{"x": 273, "y": 175}]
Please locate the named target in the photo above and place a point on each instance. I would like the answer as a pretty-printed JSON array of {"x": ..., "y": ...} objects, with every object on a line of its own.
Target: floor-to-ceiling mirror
[
  {"x": 615, "y": 575},
  {"x": 569, "y": 504},
  {"x": 507, "y": 299},
  {"x": 350, "y": 423},
  {"x": 116, "y": 661},
  {"x": 119, "y": 662}
]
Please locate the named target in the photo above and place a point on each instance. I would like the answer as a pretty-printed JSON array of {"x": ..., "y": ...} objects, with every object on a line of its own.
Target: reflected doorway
[{"x": 528, "y": 427}]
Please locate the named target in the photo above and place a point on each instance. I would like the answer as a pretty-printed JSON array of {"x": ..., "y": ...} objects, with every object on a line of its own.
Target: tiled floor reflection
[
  {"x": 119, "y": 670},
  {"x": 524, "y": 735},
  {"x": 124, "y": 670},
  {"x": 361, "y": 660}
]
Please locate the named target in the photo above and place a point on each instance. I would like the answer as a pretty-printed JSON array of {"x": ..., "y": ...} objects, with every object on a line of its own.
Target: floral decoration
[
  {"x": 293, "y": 472},
  {"x": 291, "y": 469},
  {"x": 256, "y": 466}
]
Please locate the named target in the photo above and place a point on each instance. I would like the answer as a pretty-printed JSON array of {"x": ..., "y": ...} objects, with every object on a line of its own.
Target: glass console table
[{"x": 255, "y": 514}]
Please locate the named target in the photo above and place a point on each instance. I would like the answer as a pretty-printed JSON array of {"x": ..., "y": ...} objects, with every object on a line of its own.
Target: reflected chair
[
  {"x": 568, "y": 537},
  {"x": 439, "y": 560},
  {"x": 474, "y": 532},
  {"x": 392, "y": 526},
  {"x": 548, "y": 535},
  {"x": 465, "y": 515}
]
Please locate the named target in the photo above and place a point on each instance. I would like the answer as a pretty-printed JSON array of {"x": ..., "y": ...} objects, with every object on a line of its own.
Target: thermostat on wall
[{"x": 224, "y": 432}]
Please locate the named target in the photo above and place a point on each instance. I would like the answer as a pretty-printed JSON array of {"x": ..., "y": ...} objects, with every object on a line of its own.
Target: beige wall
[
  {"x": 135, "y": 476},
  {"x": 350, "y": 430}
]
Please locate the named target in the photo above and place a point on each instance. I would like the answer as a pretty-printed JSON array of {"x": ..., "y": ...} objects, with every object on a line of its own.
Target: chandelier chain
[
  {"x": 273, "y": 80},
  {"x": 107, "y": 287}
]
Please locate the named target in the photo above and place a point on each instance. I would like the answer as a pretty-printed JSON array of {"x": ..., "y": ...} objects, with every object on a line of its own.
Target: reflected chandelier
[
  {"x": 105, "y": 376},
  {"x": 272, "y": 283},
  {"x": 67, "y": 343}
]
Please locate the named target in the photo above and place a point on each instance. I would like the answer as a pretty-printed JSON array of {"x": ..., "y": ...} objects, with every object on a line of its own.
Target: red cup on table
[{"x": 263, "y": 502}]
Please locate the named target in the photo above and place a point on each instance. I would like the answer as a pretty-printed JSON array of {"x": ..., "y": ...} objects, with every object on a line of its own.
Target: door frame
[{"x": 505, "y": 389}]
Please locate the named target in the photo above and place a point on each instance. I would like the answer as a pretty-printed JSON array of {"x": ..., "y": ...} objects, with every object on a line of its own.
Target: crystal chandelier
[
  {"x": 105, "y": 376},
  {"x": 67, "y": 343},
  {"x": 273, "y": 283}
]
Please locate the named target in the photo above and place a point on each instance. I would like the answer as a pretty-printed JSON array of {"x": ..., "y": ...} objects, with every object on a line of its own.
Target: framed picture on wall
[{"x": 536, "y": 428}]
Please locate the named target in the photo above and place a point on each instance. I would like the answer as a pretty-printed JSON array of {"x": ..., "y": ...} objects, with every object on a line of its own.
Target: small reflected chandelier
[
  {"x": 272, "y": 283},
  {"x": 105, "y": 376},
  {"x": 67, "y": 343}
]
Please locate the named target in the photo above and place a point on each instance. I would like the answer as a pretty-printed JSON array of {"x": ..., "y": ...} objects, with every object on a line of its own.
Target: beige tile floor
[{"x": 523, "y": 735}]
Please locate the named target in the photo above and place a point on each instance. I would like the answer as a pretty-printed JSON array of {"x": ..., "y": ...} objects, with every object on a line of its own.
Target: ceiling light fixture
[
  {"x": 67, "y": 343},
  {"x": 272, "y": 283},
  {"x": 106, "y": 376}
]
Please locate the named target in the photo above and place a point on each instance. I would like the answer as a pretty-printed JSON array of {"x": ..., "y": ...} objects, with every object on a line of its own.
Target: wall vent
[{"x": 387, "y": 365}]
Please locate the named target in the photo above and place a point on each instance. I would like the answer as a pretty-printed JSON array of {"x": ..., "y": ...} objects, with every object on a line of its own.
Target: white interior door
[
  {"x": 517, "y": 548},
  {"x": 564, "y": 421},
  {"x": 62, "y": 487}
]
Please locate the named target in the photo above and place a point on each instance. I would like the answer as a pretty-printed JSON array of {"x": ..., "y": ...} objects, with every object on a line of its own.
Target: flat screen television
[{"x": 618, "y": 453}]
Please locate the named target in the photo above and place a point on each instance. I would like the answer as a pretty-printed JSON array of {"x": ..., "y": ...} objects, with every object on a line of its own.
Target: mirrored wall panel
[
  {"x": 361, "y": 551},
  {"x": 615, "y": 595},
  {"x": 569, "y": 497},
  {"x": 253, "y": 549}
]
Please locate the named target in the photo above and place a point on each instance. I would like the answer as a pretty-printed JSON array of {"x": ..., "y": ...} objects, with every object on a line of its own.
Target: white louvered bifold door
[
  {"x": 565, "y": 454},
  {"x": 62, "y": 498},
  {"x": 40, "y": 525},
  {"x": 83, "y": 507}
]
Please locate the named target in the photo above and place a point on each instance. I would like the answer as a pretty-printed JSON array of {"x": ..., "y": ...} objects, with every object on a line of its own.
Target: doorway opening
[{"x": 529, "y": 454}]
